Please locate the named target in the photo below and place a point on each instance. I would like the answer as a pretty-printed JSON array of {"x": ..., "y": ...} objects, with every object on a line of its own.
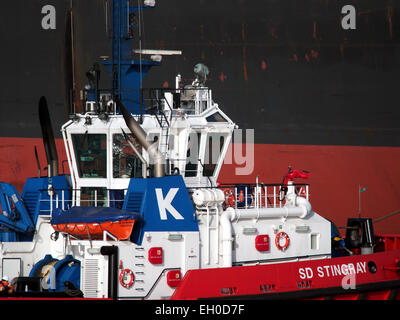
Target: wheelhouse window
[
  {"x": 91, "y": 155},
  {"x": 93, "y": 197},
  {"x": 214, "y": 145},
  {"x": 192, "y": 154},
  {"x": 216, "y": 117},
  {"x": 126, "y": 164}
]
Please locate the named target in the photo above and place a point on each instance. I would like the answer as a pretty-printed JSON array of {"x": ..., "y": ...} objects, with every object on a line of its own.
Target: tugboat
[{"x": 141, "y": 214}]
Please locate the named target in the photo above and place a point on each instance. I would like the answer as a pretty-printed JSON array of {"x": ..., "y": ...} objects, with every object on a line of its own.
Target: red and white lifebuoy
[
  {"x": 279, "y": 236},
  {"x": 126, "y": 278}
]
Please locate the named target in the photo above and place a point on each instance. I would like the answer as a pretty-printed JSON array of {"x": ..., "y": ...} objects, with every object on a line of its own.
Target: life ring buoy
[
  {"x": 126, "y": 278},
  {"x": 278, "y": 237}
]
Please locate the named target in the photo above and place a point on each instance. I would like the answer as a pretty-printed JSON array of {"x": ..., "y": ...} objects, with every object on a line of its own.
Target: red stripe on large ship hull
[
  {"x": 336, "y": 173},
  {"x": 18, "y": 162}
]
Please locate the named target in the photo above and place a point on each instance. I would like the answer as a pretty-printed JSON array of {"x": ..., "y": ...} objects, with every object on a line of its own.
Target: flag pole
[{"x": 359, "y": 200}]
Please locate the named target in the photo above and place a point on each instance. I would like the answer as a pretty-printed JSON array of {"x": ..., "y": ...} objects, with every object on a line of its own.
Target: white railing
[
  {"x": 244, "y": 196},
  {"x": 260, "y": 195},
  {"x": 57, "y": 200},
  {"x": 192, "y": 100}
]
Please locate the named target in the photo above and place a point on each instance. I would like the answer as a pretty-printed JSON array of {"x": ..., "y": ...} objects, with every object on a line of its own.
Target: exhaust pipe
[
  {"x": 140, "y": 134},
  {"x": 144, "y": 168},
  {"x": 48, "y": 138}
]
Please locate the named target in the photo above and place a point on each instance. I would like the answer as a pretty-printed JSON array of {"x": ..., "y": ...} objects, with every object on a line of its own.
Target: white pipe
[
  {"x": 266, "y": 197},
  {"x": 217, "y": 236},
  {"x": 68, "y": 152},
  {"x": 37, "y": 238},
  {"x": 304, "y": 204},
  {"x": 226, "y": 229},
  {"x": 256, "y": 193},
  {"x": 283, "y": 212},
  {"x": 301, "y": 209}
]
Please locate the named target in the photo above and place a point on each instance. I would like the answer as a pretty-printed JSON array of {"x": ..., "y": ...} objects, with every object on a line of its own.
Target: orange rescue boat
[{"x": 91, "y": 222}]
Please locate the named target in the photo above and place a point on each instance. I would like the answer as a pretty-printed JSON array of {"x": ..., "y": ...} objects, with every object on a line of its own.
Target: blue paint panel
[
  {"x": 243, "y": 195},
  {"x": 151, "y": 208},
  {"x": 36, "y": 197},
  {"x": 116, "y": 198},
  {"x": 90, "y": 215}
]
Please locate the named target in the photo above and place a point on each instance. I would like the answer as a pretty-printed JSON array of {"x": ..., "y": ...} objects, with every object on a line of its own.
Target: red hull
[{"x": 374, "y": 276}]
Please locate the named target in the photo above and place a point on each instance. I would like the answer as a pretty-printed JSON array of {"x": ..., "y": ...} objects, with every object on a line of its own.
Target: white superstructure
[{"x": 234, "y": 225}]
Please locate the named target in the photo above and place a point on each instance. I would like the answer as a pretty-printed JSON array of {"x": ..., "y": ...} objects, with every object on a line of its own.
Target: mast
[{"x": 127, "y": 73}]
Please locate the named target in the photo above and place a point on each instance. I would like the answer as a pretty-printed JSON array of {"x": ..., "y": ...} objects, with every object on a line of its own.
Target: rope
[{"x": 376, "y": 220}]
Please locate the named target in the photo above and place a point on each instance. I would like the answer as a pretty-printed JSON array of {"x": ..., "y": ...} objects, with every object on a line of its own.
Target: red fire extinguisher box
[{"x": 262, "y": 242}]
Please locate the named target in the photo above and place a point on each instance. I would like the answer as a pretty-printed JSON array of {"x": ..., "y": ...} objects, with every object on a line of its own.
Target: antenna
[{"x": 38, "y": 163}]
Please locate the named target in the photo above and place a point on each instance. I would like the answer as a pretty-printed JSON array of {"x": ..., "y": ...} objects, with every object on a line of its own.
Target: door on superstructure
[{"x": 12, "y": 268}]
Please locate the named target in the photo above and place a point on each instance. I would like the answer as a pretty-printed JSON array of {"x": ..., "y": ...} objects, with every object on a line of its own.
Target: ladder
[
  {"x": 164, "y": 136},
  {"x": 160, "y": 106}
]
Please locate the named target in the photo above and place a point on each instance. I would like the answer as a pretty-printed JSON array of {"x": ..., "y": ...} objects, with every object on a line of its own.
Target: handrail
[
  {"x": 248, "y": 196},
  {"x": 56, "y": 202}
]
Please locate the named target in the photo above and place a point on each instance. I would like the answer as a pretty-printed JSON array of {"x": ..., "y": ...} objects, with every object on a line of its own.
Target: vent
[
  {"x": 91, "y": 280},
  {"x": 134, "y": 201},
  {"x": 30, "y": 200}
]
